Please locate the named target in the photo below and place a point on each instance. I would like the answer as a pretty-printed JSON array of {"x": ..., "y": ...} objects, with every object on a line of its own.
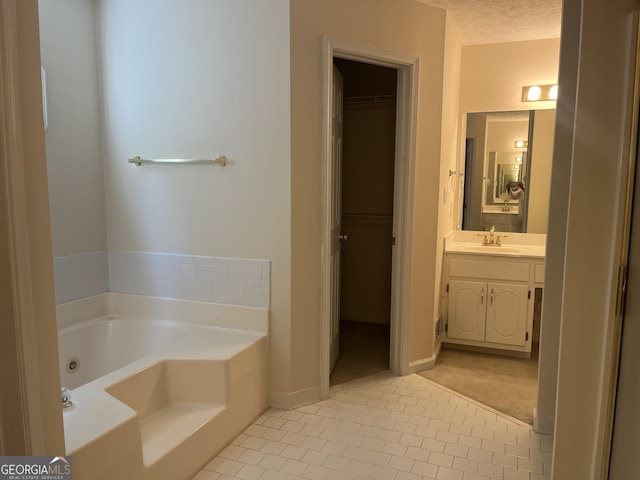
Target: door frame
[
  {"x": 406, "y": 132},
  {"x": 21, "y": 406},
  {"x": 627, "y": 203}
]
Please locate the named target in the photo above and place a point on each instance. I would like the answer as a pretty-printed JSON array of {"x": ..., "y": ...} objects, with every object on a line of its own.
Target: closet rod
[
  {"x": 371, "y": 98},
  {"x": 366, "y": 219}
]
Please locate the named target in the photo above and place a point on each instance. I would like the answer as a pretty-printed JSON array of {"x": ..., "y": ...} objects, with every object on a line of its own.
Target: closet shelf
[{"x": 366, "y": 219}]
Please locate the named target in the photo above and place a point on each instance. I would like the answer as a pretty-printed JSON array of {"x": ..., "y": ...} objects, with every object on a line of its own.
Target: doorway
[
  {"x": 367, "y": 186},
  {"x": 469, "y": 155},
  {"x": 406, "y": 67}
]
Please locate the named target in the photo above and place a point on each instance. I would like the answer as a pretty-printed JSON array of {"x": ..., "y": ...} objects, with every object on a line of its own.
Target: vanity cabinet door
[
  {"x": 507, "y": 313},
  {"x": 467, "y": 307}
]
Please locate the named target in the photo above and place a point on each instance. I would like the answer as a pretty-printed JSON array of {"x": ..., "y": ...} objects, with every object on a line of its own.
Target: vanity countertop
[
  {"x": 512, "y": 244},
  {"x": 504, "y": 250}
]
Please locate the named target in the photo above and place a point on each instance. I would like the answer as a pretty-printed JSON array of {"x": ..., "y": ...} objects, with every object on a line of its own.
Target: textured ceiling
[{"x": 499, "y": 21}]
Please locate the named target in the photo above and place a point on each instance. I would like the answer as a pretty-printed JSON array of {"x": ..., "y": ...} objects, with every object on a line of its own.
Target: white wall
[
  {"x": 74, "y": 149},
  {"x": 402, "y": 26},
  {"x": 449, "y": 148},
  {"x": 74, "y": 155},
  {"x": 492, "y": 76},
  {"x": 590, "y": 128},
  {"x": 545, "y": 411},
  {"x": 198, "y": 79}
]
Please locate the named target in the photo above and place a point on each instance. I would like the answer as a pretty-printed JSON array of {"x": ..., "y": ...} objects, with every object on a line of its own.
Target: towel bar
[{"x": 222, "y": 160}]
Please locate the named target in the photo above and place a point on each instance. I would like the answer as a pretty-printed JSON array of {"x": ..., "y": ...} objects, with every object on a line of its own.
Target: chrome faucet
[
  {"x": 492, "y": 239},
  {"x": 65, "y": 396}
]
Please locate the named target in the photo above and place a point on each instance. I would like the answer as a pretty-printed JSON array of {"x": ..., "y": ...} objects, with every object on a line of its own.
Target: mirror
[{"x": 507, "y": 170}]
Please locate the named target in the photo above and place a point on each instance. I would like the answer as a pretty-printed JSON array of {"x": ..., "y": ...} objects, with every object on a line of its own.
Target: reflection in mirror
[
  {"x": 506, "y": 179},
  {"x": 505, "y": 175}
]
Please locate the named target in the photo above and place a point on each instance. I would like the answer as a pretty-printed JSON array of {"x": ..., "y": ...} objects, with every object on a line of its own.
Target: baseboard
[
  {"x": 490, "y": 351},
  {"x": 291, "y": 400},
  {"x": 425, "y": 363},
  {"x": 543, "y": 423}
]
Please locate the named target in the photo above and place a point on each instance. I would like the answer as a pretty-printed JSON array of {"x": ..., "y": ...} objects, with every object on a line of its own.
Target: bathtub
[{"x": 158, "y": 385}]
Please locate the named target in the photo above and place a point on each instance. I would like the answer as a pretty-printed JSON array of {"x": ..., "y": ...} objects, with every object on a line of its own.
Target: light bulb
[{"x": 534, "y": 93}]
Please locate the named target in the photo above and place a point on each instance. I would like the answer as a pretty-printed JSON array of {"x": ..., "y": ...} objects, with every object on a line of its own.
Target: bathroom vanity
[{"x": 489, "y": 282}]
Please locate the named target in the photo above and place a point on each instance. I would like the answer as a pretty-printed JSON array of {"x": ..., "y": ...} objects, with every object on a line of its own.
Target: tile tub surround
[
  {"x": 80, "y": 275},
  {"x": 384, "y": 428},
  {"x": 233, "y": 281}
]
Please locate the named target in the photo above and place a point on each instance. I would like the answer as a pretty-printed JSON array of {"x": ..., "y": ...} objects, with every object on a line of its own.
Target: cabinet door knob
[{"x": 344, "y": 238}]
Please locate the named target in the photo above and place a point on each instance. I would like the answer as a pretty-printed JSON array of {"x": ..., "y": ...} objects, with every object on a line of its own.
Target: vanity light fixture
[
  {"x": 539, "y": 93},
  {"x": 520, "y": 144}
]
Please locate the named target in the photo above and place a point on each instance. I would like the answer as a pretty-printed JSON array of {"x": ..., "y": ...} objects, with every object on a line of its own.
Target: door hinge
[
  {"x": 526, "y": 337},
  {"x": 393, "y": 241},
  {"x": 447, "y": 288},
  {"x": 529, "y": 297},
  {"x": 622, "y": 288},
  {"x": 446, "y": 327}
]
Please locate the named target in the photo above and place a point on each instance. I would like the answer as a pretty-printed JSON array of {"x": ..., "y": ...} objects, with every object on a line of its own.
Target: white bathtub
[{"x": 158, "y": 385}]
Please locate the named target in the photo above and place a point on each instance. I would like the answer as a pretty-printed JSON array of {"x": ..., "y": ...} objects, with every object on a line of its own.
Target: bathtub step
[{"x": 167, "y": 428}]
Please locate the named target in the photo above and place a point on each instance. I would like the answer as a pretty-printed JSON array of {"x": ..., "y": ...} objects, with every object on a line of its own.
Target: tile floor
[{"x": 385, "y": 427}]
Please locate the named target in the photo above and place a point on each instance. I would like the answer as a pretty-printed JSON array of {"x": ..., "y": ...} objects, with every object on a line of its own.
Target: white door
[
  {"x": 467, "y": 310},
  {"x": 336, "y": 211},
  {"x": 507, "y": 314}
]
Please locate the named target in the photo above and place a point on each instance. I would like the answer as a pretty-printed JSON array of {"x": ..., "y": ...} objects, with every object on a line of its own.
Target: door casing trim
[
  {"x": 22, "y": 400},
  {"x": 405, "y": 157}
]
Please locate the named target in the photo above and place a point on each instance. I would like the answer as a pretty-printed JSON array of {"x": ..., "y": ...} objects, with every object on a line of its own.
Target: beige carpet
[{"x": 509, "y": 385}]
